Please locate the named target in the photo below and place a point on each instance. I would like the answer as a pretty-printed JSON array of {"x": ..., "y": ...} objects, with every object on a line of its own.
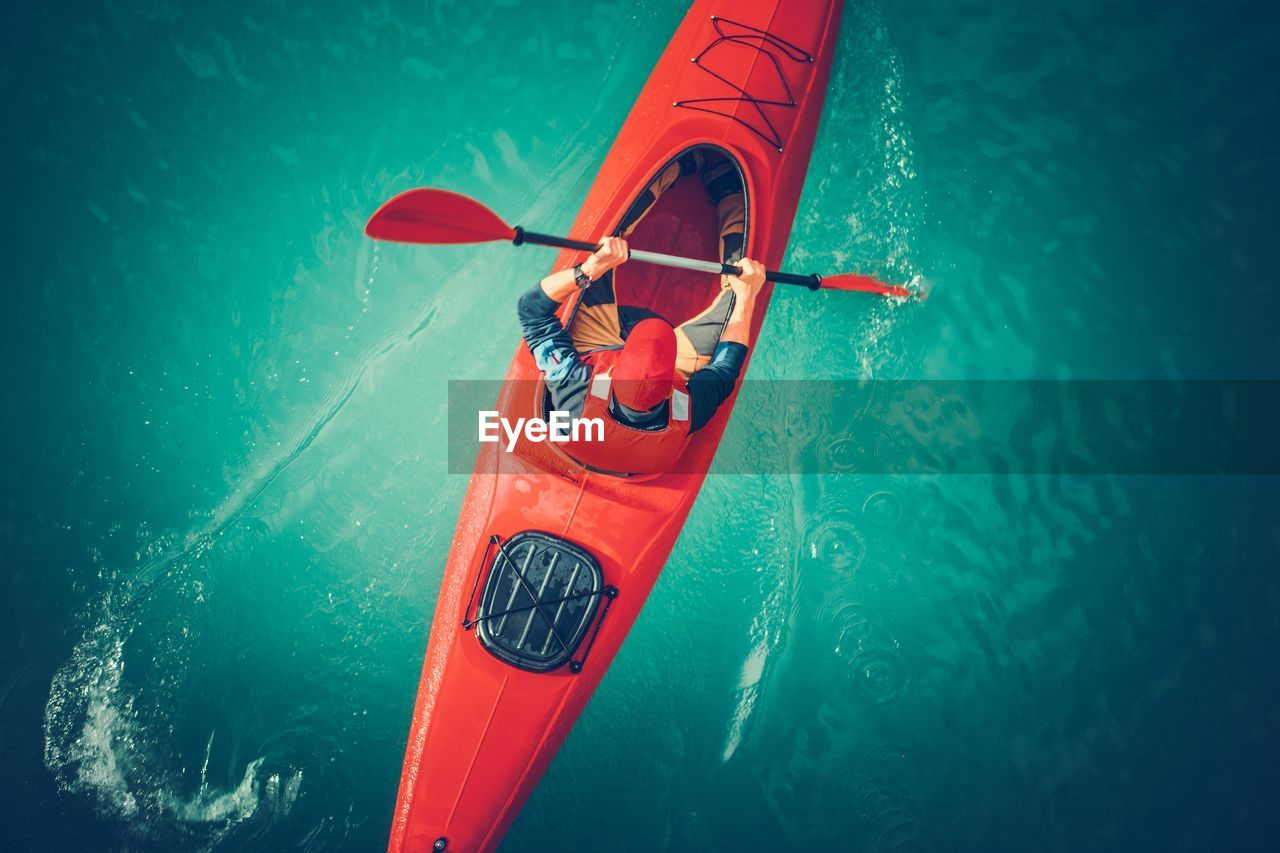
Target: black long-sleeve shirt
[{"x": 568, "y": 377}]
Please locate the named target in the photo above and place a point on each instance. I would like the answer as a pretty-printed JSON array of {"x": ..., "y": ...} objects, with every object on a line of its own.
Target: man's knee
[{"x": 721, "y": 181}]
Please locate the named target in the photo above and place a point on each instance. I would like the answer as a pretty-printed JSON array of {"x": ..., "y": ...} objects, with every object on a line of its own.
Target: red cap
[{"x": 645, "y": 370}]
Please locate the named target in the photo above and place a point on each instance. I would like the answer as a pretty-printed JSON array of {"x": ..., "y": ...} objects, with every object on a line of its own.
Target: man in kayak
[
  {"x": 630, "y": 376},
  {"x": 647, "y": 408},
  {"x": 642, "y": 372}
]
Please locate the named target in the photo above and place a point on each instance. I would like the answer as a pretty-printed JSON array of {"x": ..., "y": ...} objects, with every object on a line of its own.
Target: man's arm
[
  {"x": 537, "y": 307},
  {"x": 712, "y": 385},
  {"x": 545, "y": 335}
]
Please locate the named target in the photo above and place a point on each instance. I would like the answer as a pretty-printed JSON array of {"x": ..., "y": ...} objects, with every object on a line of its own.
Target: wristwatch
[{"x": 583, "y": 280}]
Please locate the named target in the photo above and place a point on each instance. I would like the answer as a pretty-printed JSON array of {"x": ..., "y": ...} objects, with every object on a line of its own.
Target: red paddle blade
[
  {"x": 436, "y": 217},
  {"x": 863, "y": 284}
]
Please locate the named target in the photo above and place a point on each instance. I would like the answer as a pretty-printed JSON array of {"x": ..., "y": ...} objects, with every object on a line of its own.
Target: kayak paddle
[{"x": 440, "y": 217}]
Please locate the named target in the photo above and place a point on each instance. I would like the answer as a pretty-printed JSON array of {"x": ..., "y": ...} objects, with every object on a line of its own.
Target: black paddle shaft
[{"x": 813, "y": 282}]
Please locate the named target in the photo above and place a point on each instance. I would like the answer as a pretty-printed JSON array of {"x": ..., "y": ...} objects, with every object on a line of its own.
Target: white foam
[
  {"x": 748, "y": 691},
  {"x": 97, "y": 746},
  {"x": 87, "y": 688}
]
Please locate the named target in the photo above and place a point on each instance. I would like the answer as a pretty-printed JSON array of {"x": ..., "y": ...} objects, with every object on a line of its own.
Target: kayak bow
[{"x": 552, "y": 561}]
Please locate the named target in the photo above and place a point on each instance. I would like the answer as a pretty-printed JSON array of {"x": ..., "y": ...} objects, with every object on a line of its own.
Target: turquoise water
[{"x": 226, "y": 507}]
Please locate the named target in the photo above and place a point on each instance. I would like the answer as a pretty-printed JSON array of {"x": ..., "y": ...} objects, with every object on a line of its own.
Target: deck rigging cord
[
  {"x": 766, "y": 44},
  {"x": 538, "y": 604}
]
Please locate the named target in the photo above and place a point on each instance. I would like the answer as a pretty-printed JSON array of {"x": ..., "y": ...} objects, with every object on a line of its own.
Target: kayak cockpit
[{"x": 695, "y": 206}]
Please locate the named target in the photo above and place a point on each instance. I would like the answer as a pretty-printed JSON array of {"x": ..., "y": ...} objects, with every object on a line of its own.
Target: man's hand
[
  {"x": 613, "y": 252},
  {"x": 747, "y": 286}
]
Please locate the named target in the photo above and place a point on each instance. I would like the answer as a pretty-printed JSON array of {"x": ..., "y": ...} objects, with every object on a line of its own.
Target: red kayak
[{"x": 552, "y": 560}]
